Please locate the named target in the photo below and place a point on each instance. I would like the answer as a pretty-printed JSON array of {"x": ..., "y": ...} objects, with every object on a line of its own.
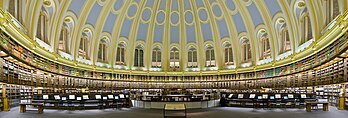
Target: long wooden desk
[
  {"x": 23, "y": 107},
  {"x": 309, "y": 106},
  {"x": 174, "y": 107}
]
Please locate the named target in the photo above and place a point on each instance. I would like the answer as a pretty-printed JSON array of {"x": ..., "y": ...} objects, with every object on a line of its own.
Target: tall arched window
[
  {"x": 331, "y": 10},
  {"x": 156, "y": 58},
  {"x": 103, "y": 51},
  {"x": 120, "y": 54},
  {"x": 210, "y": 56},
  {"x": 64, "y": 39},
  {"x": 306, "y": 30},
  {"x": 228, "y": 54},
  {"x": 192, "y": 58},
  {"x": 246, "y": 51},
  {"x": 42, "y": 28},
  {"x": 174, "y": 58},
  {"x": 285, "y": 40},
  {"x": 15, "y": 9},
  {"x": 139, "y": 56},
  {"x": 83, "y": 49},
  {"x": 265, "y": 47}
]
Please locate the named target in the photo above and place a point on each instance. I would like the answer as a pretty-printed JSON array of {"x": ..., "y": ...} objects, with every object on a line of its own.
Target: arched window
[
  {"x": 120, "y": 52},
  {"x": 63, "y": 43},
  {"x": 83, "y": 49},
  {"x": 42, "y": 28},
  {"x": 210, "y": 56},
  {"x": 156, "y": 58},
  {"x": 103, "y": 51},
  {"x": 15, "y": 9},
  {"x": 139, "y": 56},
  {"x": 331, "y": 10},
  {"x": 306, "y": 30},
  {"x": 228, "y": 54},
  {"x": 174, "y": 58},
  {"x": 265, "y": 47},
  {"x": 192, "y": 58},
  {"x": 246, "y": 51},
  {"x": 285, "y": 40}
]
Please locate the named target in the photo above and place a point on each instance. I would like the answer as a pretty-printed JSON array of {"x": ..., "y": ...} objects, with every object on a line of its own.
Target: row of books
[
  {"x": 15, "y": 93},
  {"x": 329, "y": 93},
  {"x": 14, "y": 72},
  {"x": 34, "y": 61},
  {"x": 1, "y": 102},
  {"x": 346, "y": 97}
]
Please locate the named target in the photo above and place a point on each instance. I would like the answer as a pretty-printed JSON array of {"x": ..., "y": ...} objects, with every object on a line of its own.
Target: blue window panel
[
  {"x": 206, "y": 30},
  {"x": 142, "y": 31},
  {"x": 149, "y": 3},
  {"x": 190, "y": 34},
  {"x": 223, "y": 28},
  {"x": 110, "y": 21},
  {"x": 255, "y": 14},
  {"x": 272, "y": 6},
  {"x": 174, "y": 34},
  {"x": 238, "y": 21},
  {"x": 230, "y": 4},
  {"x": 94, "y": 14},
  {"x": 175, "y": 5},
  {"x": 158, "y": 33},
  {"x": 163, "y": 4},
  {"x": 126, "y": 27},
  {"x": 118, "y": 4},
  {"x": 76, "y": 5}
]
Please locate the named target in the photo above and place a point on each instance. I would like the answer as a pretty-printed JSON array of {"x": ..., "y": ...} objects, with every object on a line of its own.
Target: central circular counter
[{"x": 189, "y": 104}]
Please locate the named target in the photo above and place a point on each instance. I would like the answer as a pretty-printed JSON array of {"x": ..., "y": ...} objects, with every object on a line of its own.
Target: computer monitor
[
  {"x": 271, "y": 97},
  {"x": 78, "y": 98},
  {"x": 230, "y": 96},
  {"x": 111, "y": 96},
  {"x": 105, "y": 98},
  {"x": 127, "y": 96},
  {"x": 85, "y": 97},
  {"x": 56, "y": 97},
  {"x": 259, "y": 97},
  {"x": 291, "y": 96},
  {"x": 265, "y": 96},
  {"x": 278, "y": 96},
  {"x": 303, "y": 96},
  {"x": 63, "y": 98},
  {"x": 98, "y": 97},
  {"x": 45, "y": 97},
  {"x": 240, "y": 95},
  {"x": 286, "y": 97},
  {"x": 116, "y": 97},
  {"x": 121, "y": 96},
  {"x": 71, "y": 97},
  {"x": 252, "y": 96}
]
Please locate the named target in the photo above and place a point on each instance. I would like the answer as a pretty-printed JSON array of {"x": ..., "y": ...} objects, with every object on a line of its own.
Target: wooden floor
[{"x": 217, "y": 112}]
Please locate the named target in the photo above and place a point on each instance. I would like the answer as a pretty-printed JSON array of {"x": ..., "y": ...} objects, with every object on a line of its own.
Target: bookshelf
[
  {"x": 13, "y": 94},
  {"x": 346, "y": 97},
  {"x": 23, "y": 67},
  {"x": 1, "y": 99},
  {"x": 329, "y": 93}
]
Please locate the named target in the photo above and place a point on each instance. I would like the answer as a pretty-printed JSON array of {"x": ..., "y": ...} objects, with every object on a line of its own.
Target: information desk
[
  {"x": 82, "y": 101},
  {"x": 23, "y": 107},
  {"x": 174, "y": 110},
  {"x": 310, "y": 104},
  {"x": 188, "y": 104},
  {"x": 268, "y": 100}
]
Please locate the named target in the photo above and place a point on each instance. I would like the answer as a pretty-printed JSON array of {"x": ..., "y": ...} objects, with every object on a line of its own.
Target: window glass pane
[
  {"x": 195, "y": 56},
  {"x": 158, "y": 56}
]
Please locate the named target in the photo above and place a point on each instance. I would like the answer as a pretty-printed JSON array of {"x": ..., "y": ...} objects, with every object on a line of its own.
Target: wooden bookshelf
[{"x": 22, "y": 67}]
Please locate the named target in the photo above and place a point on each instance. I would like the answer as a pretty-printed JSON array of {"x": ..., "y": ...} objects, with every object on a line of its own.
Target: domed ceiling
[{"x": 179, "y": 35}]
